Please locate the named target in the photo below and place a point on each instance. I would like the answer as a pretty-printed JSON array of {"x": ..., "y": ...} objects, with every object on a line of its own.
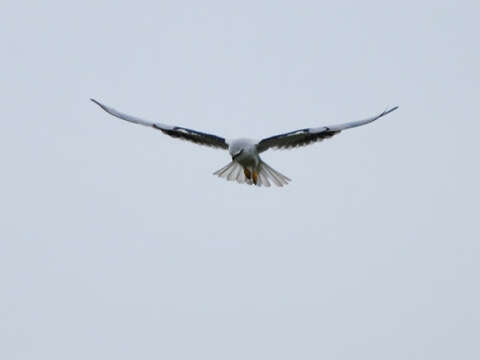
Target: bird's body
[{"x": 246, "y": 165}]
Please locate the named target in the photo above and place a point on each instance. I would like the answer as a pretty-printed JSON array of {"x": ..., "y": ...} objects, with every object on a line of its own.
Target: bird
[{"x": 246, "y": 166}]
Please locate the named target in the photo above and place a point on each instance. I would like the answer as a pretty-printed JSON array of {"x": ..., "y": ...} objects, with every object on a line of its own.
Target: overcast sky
[{"x": 118, "y": 243}]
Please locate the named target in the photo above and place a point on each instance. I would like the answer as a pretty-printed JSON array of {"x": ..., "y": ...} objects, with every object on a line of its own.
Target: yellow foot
[
  {"x": 247, "y": 173},
  {"x": 255, "y": 177}
]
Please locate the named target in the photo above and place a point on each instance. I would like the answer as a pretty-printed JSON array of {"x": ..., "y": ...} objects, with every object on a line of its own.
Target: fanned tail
[
  {"x": 233, "y": 172},
  {"x": 265, "y": 175}
]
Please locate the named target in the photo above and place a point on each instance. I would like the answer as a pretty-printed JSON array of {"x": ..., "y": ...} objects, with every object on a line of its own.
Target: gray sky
[{"x": 117, "y": 242}]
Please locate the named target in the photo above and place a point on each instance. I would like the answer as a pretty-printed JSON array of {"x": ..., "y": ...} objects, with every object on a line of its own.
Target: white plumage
[{"x": 246, "y": 165}]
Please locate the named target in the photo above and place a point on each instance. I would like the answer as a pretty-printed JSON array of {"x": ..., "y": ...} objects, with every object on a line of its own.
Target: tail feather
[
  {"x": 272, "y": 176},
  {"x": 278, "y": 178},
  {"x": 236, "y": 170},
  {"x": 264, "y": 179},
  {"x": 221, "y": 172},
  {"x": 266, "y": 175},
  {"x": 232, "y": 172}
]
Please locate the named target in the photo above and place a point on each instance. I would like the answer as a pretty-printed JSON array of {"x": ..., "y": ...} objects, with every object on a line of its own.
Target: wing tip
[
  {"x": 96, "y": 102},
  {"x": 390, "y": 110},
  {"x": 103, "y": 107}
]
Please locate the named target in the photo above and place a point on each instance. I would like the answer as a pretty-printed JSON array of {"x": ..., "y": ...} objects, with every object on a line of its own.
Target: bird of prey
[{"x": 246, "y": 166}]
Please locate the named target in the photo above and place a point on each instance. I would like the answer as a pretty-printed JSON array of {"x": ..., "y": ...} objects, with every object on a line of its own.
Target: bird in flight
[{"x": 246, "y": 166}]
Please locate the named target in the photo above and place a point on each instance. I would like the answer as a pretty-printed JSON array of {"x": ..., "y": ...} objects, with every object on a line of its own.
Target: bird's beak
[{"x": 234, "y": 156}]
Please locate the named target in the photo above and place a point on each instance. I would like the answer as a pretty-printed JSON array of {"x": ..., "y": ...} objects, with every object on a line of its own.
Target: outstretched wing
[
  {"x": 308, "y": 136},
  {"x": 196, "y": 137}
]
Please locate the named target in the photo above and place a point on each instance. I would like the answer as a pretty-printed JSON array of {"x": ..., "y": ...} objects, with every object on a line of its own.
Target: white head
[{"x": 239, "y": 145}]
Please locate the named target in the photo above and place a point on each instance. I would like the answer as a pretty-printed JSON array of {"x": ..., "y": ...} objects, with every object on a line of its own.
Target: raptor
[{"x": 246, "y": 166}]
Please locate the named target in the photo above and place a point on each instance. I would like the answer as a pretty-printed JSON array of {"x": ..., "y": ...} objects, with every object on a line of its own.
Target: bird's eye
[{"x": 237, "y": 154}]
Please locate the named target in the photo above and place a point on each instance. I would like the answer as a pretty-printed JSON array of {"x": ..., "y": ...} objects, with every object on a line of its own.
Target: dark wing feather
[
  {"x": 294, "y": 139},
  {"x": 308, "y": 136},
  {"x": 194, "y": 136},
  {"x": 182, "y": 133}
]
